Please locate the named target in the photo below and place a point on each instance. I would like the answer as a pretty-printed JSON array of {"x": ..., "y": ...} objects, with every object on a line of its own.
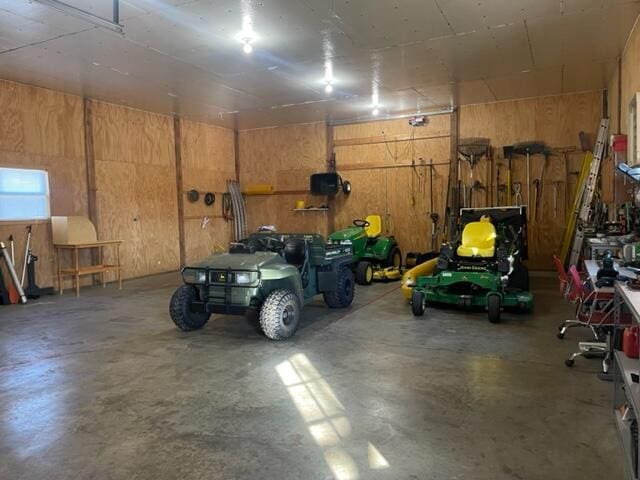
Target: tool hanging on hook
[
  {"x": 527, "y": 149},
  {"x": 472, "y": 150}
]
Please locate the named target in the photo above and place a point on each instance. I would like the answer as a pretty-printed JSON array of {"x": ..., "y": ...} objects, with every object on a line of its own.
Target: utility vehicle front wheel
[
  {"x": 493, "y": 308},
  {"x": 342, "y": 296},
  {"x": 418, "y": 303},
  {"x": 280, "y": 315},
  {"x": 180, "y": 309},
  {"x": 364, "y": 273}
]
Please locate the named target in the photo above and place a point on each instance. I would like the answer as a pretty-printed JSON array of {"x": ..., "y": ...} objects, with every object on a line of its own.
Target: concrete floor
[{"x": 106, "y": 387}]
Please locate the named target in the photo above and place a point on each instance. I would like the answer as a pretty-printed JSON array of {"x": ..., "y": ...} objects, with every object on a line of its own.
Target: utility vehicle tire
[
  {"x": 280, "y": 314},
  {"x": 364, "y": 273},
  {"x": 180, "y": 311},
  {"x": 493, "y": 308},
  {"x": 342, "y": 296},
  {"x": 394, "y": 259},
  {"x": 519, "y": 279},
  {"x": 418, "y": 303}
]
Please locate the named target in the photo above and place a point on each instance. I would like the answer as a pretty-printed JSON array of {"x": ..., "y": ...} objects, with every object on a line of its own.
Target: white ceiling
[{"x": 180, "y": 56}]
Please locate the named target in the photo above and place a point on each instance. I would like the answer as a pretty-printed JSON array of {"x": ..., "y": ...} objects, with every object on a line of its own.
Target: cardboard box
[{"x": 72, "y": 230}]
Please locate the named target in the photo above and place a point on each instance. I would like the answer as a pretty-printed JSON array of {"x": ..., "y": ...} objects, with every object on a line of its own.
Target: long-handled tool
[
  {"x": 527, "y": 149},
  {"x": 433, "y": 215},
  {"x": 472, "y": 150},
  {"x": 536, "y": 203},
  {"x": 12, "y": 272},
  {"x": 13, "y": 293},
  {"x": 507, "y": 152},
  {"x": 27, "y": 246},
  {"x": 517, "y": 187}
]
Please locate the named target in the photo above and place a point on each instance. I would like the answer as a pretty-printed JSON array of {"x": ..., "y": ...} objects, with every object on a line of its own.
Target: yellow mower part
[
  {"x": 389, "y": 273},
  {"x": 410, "y": 276},
  {"x": 258, "y": 189}
]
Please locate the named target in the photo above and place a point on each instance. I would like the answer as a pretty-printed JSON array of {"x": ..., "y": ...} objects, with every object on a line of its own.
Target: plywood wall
[
  {"x": 136, "y": 187},
  {"x": 623, "y": 84},
  {"x": 43, "y": 129},
  {"x": 555, "y": 121},
  {"x": 284, "y": 157},
  {"x": 208, "y": 161},
  {"x": 375, "y": 156}
]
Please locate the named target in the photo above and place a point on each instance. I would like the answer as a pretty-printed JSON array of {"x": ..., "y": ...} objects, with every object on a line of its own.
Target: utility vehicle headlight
[
  {"x": 192, "y": 275},
  {"x": 243, "y": 278}
]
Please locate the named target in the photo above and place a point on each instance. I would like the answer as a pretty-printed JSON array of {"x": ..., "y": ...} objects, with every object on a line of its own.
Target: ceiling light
[
  {"x": 328, "y": 88},
  {"x": 375, "y": 112},
  {"x": 246, "y": 47}
]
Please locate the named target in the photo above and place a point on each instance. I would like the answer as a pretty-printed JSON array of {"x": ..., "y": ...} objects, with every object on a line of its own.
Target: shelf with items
[{"x": 626, "y": 374}]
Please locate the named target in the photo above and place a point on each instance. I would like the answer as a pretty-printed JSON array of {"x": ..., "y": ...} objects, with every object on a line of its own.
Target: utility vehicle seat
[
  {"x": 478, "y": 239},
  {"x": 375, "y": 226},
  {"x": 294, "y": 251}
]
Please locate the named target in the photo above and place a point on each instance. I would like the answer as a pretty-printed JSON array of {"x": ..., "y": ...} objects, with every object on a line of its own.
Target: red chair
[
  {"x": 594, "y": 310},
  {"x": 562, "y": 275}
]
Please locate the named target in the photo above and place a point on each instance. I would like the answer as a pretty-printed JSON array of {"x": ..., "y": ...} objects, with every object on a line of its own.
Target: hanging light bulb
[
  {"x": 375, "y": 112},
  {"x": 247, "y": 47},
  {"x": 328, "y": 88}
]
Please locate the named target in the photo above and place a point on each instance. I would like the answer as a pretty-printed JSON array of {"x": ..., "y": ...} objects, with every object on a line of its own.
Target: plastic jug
[{"x": 630, "y": 342}]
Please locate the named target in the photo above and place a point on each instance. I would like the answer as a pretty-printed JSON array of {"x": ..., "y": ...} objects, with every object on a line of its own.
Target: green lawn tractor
[
  {"x": 374, "y": 257},
  {"x": 484, "y": 268}
]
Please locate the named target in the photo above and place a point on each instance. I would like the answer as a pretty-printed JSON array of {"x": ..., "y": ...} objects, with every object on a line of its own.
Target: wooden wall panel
[
  {"x": 136, "y": 187},
  {"x": 284, "y": 157},
  {"x": 43, "y": 129},
  {"x": 208, "y": 161},
  {"x": 135, "y": 176},
  {"x": 400, "y": 194},
  {"x": 621, "y": 88}
]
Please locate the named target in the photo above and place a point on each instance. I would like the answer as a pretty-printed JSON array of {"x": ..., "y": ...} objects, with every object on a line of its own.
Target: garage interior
[{"x": 140, "y": 137}]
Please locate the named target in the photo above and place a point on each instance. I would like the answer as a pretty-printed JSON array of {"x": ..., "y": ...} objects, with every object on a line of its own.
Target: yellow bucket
[{"x": 299, "y": 204}]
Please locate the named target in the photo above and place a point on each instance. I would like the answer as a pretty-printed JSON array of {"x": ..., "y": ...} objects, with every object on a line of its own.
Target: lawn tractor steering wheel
[
  {"x": 361, "y": 223},
  {"x": 272, "y": 244}
]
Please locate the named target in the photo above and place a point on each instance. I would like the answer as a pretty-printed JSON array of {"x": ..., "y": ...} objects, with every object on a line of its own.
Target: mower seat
[
  {"x": 375, "y": 226},
  {"x": 478, "y": 239}
]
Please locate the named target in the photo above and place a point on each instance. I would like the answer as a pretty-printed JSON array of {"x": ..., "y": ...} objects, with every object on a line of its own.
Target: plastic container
[{"x": 630, "y": 342}]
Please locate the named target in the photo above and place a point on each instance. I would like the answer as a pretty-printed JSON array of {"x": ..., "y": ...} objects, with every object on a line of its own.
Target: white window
[{"x": 24, "y": 194}]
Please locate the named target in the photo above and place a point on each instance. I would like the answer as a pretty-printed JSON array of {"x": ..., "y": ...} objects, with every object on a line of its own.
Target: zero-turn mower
[
  {"x": 375, "y": 257},
  {"x": 484, "y": 268}
]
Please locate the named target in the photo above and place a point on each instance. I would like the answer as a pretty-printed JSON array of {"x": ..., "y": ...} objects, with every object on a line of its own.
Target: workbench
[
  {"x": 76, "y": 270},
  {"x": 626, "y": 394}
]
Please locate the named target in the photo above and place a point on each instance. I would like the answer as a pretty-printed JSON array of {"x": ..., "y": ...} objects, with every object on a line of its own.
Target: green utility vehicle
[
  {"x": 484, "y": 268},
  {"x": 374, "y": 256},
  {"x": 274, "y": 274}
]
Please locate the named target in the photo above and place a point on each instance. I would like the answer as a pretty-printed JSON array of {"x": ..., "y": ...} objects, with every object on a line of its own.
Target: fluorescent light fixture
[{"x": 87, "y": 16}]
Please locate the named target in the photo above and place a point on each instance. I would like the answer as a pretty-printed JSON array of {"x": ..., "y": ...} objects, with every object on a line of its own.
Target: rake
[{"x": 472, "y": 150}]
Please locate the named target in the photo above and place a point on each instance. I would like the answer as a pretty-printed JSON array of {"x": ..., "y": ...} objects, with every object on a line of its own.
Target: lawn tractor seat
[
  {"x": 375, "y": 226},
  {"x": 478, "y": 239}
]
